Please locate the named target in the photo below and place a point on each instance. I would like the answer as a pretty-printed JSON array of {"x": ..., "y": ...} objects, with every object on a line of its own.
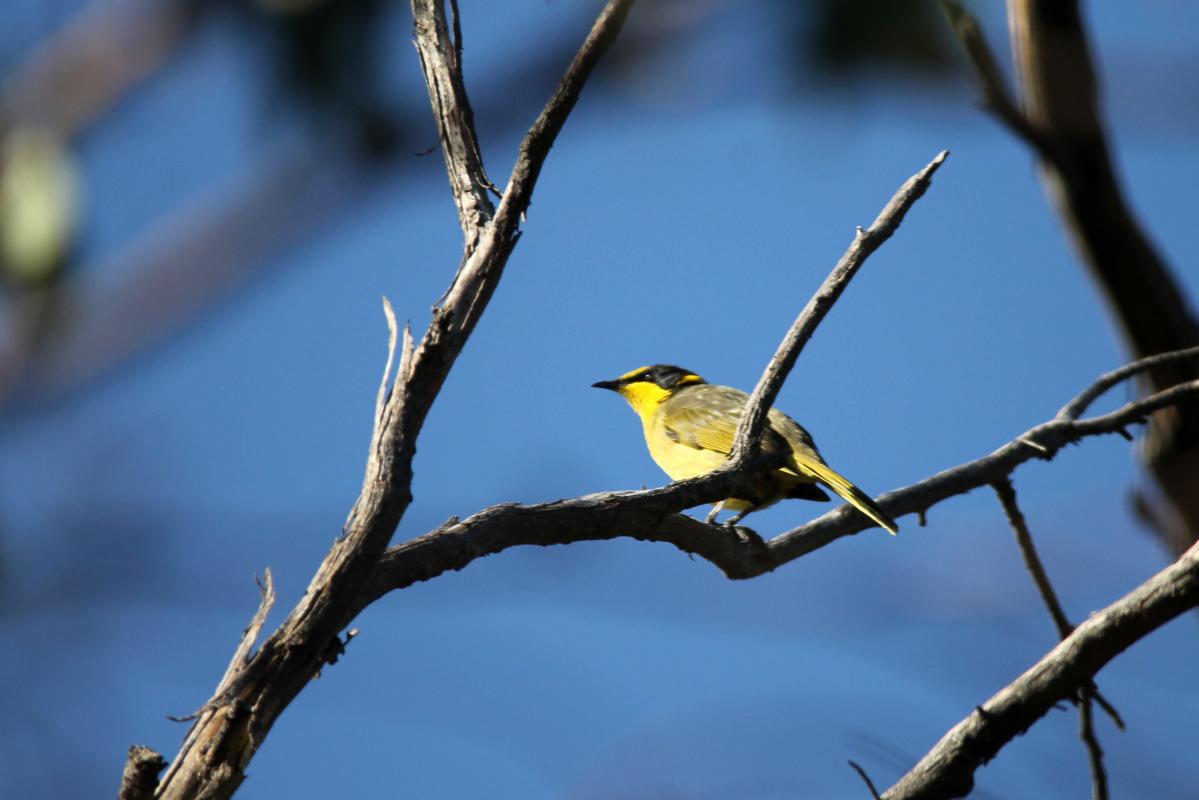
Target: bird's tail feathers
[{"x": 851, "y": 494}]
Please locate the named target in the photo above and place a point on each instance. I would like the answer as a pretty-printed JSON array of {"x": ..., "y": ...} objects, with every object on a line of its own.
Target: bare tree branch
[
  {"x": 865, "y": 779},
  {"x": 865, "y": 242},
  {"x": 536, "y": 145},
  {"x": 266, "y": 591},
  {"x": 1032, "y": 560},
  {"x": 232, "y": 726},
  {"x": 648, "y": 515},
  {"x": 1086, "y": 732},
  {"x": 1078, "y": 406},
  {"x": 360, "y": 568},
  {"x": 948, "y": 769}
]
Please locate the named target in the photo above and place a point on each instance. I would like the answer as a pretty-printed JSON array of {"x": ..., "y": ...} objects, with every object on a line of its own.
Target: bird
[{"x": 690, "y": 426}]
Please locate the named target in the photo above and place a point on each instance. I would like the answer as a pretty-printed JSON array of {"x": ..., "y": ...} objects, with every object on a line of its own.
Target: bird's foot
[{"x": 747, "y": 536}]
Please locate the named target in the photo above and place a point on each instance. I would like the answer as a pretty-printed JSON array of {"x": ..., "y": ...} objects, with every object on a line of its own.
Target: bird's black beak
[{"x": 612, "y": 385}]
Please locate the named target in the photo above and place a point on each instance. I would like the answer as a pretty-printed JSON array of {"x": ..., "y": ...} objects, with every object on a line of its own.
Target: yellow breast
[{"x": 677, "y": 460}]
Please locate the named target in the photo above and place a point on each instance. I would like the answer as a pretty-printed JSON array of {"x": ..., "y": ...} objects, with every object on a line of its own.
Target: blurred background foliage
[{"x": 200, "y": 202}]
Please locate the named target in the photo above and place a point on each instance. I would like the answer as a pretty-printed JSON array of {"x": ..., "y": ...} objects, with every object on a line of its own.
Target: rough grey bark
[
  {"x": 230, "y": 728},
  {"x": 948, "y": 769},
  {"x": 360, "y": 568}
]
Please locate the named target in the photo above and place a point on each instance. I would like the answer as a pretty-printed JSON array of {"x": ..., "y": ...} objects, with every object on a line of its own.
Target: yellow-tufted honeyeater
[{"x": 690, "y": 425}]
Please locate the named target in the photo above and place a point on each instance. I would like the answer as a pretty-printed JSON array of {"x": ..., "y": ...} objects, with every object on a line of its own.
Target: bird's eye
[{"x": 647, "y": 378}]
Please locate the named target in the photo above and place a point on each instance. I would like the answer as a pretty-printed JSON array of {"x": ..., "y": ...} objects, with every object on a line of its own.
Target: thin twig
[
  {"x": 865, "y": 779},
  {"x": 864, "y": 243},
  {"x": 1036, "y": 568},
  {"x": 947, "y": 770},
  {"x": 1076, "y": 407},
  {"x": 1086, "y": 732},
  {"x": 544, "y": 131},
  {"x": 1032, "y": 560},
  {"x": 266, "y": 593}
]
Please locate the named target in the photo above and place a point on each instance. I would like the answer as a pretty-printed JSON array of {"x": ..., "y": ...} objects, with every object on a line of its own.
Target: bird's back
[{"x": 692, "y": 432}]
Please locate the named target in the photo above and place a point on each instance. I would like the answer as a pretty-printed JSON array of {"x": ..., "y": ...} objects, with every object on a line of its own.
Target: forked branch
[
  {"x": 230, "y": 728},
  {"x": 360, "y": 568}
]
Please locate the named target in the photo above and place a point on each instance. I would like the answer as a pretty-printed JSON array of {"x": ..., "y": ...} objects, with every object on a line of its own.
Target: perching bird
[{"x": 690, "y": 425}]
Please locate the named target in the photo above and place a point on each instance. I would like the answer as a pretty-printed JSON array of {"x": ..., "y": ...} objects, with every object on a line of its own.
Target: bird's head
[{"x": 646, "y": 387}]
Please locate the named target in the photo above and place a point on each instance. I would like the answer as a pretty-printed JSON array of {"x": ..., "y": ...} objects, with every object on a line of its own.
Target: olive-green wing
[
  {"x": 706, "y": 417},
  {"x": 803, "y": 449},
  {"x": 809, "y": 463}
]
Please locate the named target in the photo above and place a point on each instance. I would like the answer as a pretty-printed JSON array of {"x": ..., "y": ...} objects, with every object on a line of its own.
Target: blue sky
[{"x": 684, "y": 216}]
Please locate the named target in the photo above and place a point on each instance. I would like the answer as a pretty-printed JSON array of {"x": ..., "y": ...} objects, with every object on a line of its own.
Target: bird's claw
[{"x": 747, "y": 535}]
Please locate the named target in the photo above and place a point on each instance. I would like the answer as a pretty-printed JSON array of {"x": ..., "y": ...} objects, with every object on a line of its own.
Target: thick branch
[
  {"x": 231, "y": 727},
  {"x": 649, "y": 515},
  {"x": 948, "y": 769},
  {"x": 864, "y": 243},
  {"x": 1061, "y": 95},
  {"x": 1061, "y": 122},
  {"x": 481, "y": 270}
]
